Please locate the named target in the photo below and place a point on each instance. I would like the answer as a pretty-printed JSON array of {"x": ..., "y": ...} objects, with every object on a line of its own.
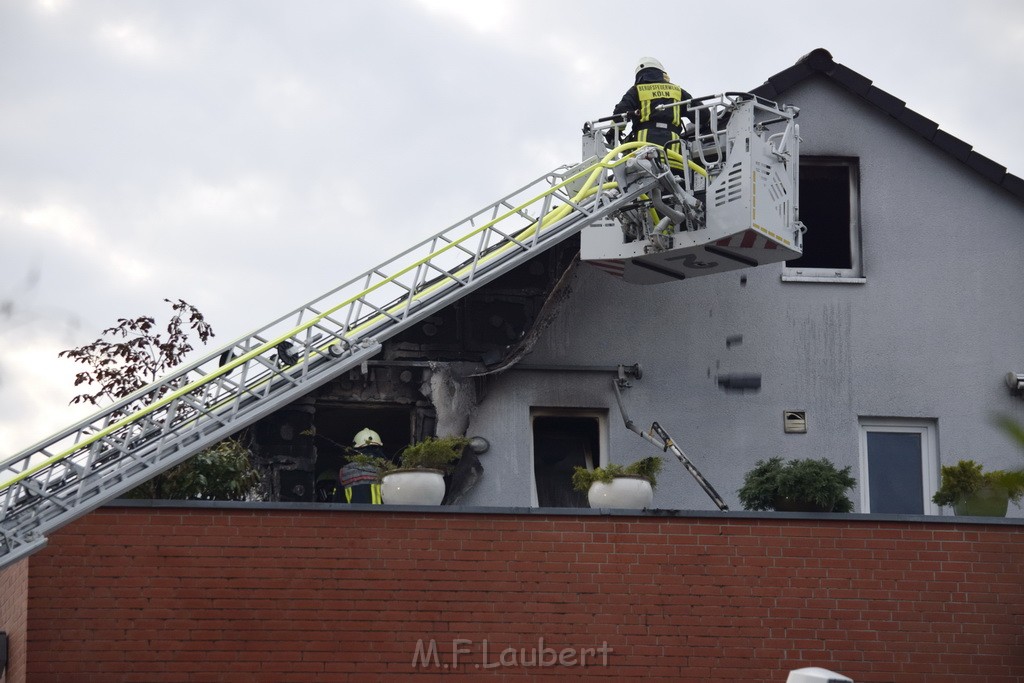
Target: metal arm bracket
[{"x": 660, "y": 438}]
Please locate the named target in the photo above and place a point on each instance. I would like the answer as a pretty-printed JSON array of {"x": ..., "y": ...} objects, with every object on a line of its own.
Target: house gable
[
  {"x": 824, "y": 344},
  {"x": 820, "y": 62}
]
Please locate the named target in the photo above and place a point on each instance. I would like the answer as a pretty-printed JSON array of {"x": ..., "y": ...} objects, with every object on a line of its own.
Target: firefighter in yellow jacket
[
  {"x": 647, "y": 123},
  {"x": 359, "y": 481}
]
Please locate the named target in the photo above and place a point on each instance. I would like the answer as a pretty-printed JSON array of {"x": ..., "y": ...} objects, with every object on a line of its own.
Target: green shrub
[
  {"x": 967, "y": 477},
  {"x": 434, "y": 453},
  {"x": 222, "y": 472},
  {"x": 817, "y": 483}
]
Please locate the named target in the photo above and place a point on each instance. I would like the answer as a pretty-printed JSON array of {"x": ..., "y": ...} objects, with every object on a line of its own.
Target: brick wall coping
[{"x": 343, "y": 508}]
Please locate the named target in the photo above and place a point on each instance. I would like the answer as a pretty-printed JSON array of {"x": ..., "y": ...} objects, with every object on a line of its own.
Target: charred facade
[{"x": 426, "y": 381}]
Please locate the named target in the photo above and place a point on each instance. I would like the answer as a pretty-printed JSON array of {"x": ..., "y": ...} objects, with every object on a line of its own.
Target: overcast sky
[{"x": 249, "y": 155}]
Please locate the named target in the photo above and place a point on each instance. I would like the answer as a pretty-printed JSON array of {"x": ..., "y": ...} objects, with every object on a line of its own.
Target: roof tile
[
  {"x": 851, "y": 80},
  {"x": 892, "y": 106},
  {"x": 986, "y": 167},
  {"x": 919, "y": 124},
  {"x": 786, "y": 79},
  {"x": 1014, "y": 184},
  {"x": 953, "y": 145},
  {"x": 818, "y": 59}
]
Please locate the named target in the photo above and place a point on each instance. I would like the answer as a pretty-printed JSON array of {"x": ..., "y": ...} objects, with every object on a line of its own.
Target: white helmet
[
  {"x": 647, "y": 63},
  {"x": 366, "y": 437}
]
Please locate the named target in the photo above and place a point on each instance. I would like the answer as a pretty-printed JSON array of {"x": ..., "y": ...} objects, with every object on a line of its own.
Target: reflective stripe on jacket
[
  {"x": 365, "y": 493},
  {"x": 653, "y": 94}
]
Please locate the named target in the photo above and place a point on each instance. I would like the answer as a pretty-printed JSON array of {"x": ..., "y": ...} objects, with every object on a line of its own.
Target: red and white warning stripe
[
  {"x": 748, "y": 239},
  {"x": 611, "y": 266}
]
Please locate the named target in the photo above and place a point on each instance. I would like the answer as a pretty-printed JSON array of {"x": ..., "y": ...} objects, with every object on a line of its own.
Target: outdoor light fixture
[{"x": 1015, "y": 380}]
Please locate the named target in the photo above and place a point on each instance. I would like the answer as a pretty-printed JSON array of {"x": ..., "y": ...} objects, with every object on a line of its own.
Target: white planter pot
[
  {"x": 412, "y": 487},
  {"x": 627, "y": 493}
]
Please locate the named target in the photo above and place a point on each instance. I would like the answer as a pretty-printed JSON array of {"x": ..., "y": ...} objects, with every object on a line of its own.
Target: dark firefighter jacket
[{"x": 640, "y": 102}]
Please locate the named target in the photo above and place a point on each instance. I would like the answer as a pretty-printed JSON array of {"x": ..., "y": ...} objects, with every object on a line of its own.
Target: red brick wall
[
  {"x": 260, "y": 594},
  {"x": 13, "y": 618}
]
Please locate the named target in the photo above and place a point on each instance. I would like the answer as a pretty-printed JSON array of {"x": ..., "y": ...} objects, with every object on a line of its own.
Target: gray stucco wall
[{"x": 930, "y": 334}]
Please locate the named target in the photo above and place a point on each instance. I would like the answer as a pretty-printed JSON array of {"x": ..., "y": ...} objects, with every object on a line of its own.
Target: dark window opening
[
  {"x": 560, "y": 444},
  {"x": 828, "y": 208}
]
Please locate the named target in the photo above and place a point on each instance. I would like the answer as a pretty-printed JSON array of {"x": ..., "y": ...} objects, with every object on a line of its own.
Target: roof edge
[{"x": 820, "y": 61}]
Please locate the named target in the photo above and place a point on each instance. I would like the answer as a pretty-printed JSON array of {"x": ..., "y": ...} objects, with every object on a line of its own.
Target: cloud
[
  {"x": 71, "y": 230},
  {"x": 290, "y": 100},
  {"x": 35, "y": 388},
  {"x": 246, "y": 200},
  {"x": 52, "y": 6},
  {"x": 69, "y": 226},
  {"x": 130, "y": 40},
  {"x": 489, "y": 17}
]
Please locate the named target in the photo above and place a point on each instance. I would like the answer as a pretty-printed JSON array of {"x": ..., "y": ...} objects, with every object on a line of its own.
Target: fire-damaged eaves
[
  {"x": 426, "y": 380},
  {"x": 820, "y": 61},
  {"x": 498, "y": 324}
]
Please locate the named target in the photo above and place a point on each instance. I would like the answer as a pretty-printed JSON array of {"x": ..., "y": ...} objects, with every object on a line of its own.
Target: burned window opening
[
  {"x": 829, "y": 207},
  {"x": 562, "y": 442}
]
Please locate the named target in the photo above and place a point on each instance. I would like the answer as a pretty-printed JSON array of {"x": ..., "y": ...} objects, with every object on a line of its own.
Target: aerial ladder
[{"x": 733, "y": 206}]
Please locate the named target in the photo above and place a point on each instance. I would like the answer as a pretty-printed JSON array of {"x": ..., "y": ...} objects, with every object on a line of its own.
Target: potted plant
[
  {"x": 969, "y": 490},
  {"x": 629, "y": 487},
  {"x": 802, "y": 485},
  {"x": 419, "y": 478}
]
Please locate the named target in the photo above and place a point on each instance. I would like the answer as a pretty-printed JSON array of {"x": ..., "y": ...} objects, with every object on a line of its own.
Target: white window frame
[
  {"x": 855, "y": 273},
  {"x": 602, "y": 436},
  {"x": 929, "y": 456}
]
